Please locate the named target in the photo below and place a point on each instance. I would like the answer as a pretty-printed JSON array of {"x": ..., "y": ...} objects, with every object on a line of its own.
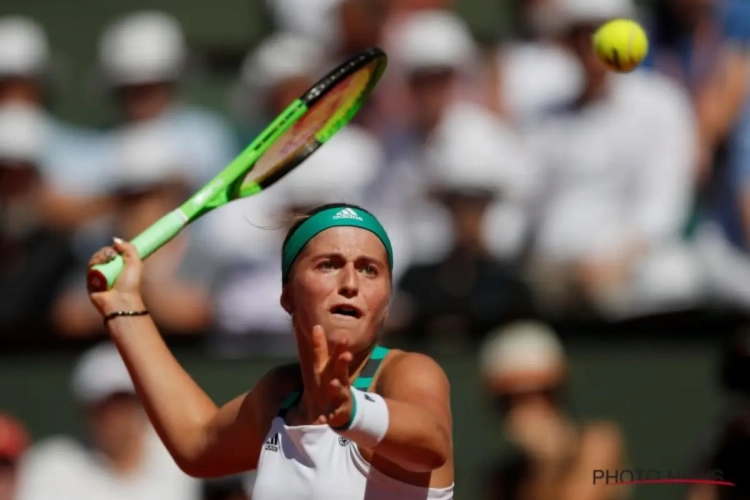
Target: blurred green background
[{"x": 663, "y": 395}]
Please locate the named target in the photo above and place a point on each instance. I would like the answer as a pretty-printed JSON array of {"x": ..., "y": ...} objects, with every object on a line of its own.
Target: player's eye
[
  {"x": 369, "y": 270},
  {"x": 326, "y": 265}
]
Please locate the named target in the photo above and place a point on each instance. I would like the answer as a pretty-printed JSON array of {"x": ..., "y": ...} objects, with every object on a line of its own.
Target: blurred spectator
[
  {"x": 615, "y": 185},
  {"x": 361, "y": 24},
  {"x": 34, "y": 254},
  {"x": 125, "y": 458},
  {"x": 525, "y": 372},
  {"x": 533, "y": 72},
  {"x": 70, "y": 158},
  {"x": 475, "y": 173},
  {"x": 14, "y": 441},
  {"x": 703, "y": 44},
  {"x": 151, "y": 180},
  {"x": 24, "y": 61},
  {"x": 142, "y": 57},
  {"x": 729, "y": 449},
  {"x": 438, "y": 55},
  {"x": 309, "y": 19}
]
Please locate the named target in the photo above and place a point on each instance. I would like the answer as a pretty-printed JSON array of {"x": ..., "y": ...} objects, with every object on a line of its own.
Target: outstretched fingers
[{"x": 320, "y": 350}]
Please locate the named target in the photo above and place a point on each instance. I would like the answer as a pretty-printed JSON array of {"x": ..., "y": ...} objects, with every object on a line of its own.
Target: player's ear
[{"x": 286, "y": 300}]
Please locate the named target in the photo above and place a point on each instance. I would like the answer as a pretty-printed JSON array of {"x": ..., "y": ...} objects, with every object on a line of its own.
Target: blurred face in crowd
[
  {"x": 116, "y": 424},
  {"x": 538, "y": 17},
  {"x": 467, "y": 212},
  {"x": 19, "y": 185},
  {"x": 690, "y": 13},
  {"x": 431, "y": 92},
  {"x": 17, "y": 180},
  {"x": 529, "y": 402},
  {"x": 361, "y": 23},
  {"x": 20, "y": 90},
  {"x": 146, "y": 101},
  {"x": 579, "y": 41},
  {"x": 8, "y": 478}
]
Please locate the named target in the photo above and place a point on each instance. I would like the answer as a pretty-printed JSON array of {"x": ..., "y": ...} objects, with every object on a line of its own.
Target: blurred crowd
[{"x": 518, "y": 178}]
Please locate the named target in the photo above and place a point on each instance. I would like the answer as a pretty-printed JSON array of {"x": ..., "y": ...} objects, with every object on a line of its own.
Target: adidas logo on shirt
[
  {"x": 347, "y": 213},
  {"x": 273, "y": 443}
]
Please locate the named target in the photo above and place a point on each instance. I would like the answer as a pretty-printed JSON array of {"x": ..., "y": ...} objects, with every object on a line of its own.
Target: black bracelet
[{"x": 124, "y": 313}]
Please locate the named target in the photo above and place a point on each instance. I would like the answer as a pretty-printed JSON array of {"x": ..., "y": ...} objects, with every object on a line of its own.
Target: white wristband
[{"x": 369, "y": 422}]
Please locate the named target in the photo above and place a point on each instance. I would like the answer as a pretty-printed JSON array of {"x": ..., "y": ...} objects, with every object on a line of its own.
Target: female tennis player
[{"x": 350, "y": 420}]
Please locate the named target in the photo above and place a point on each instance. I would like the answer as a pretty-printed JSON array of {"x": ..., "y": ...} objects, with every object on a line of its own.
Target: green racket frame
[{"x": 230, "y": 183}]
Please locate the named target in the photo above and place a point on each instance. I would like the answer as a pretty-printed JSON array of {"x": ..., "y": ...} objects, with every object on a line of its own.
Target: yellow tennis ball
[{"x": 621, "y": 45}]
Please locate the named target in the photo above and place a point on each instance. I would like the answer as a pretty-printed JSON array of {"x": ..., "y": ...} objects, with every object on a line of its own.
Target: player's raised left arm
[{"x": 417, "y": 394}]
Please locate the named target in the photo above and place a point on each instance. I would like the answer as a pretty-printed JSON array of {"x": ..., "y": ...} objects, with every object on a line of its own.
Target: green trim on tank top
[{"x": 362, "y": 382}]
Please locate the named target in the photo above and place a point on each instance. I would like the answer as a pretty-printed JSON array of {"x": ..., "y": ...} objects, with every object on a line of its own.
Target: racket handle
[{"x": 101, "y": 278}]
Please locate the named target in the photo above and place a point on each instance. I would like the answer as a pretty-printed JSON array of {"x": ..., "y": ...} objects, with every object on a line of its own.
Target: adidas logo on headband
[{"x": 347, "y": 213}]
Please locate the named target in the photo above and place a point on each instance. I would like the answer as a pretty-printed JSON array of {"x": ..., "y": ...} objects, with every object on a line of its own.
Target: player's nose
[{"x": 349, "y": 281}]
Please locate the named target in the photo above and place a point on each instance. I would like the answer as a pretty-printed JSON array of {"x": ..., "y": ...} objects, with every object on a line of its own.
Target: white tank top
[{"x": 312, "y": 462}]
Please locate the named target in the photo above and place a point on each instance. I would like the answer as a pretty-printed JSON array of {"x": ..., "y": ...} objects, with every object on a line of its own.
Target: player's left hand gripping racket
[{"x": 289, "y": 140}]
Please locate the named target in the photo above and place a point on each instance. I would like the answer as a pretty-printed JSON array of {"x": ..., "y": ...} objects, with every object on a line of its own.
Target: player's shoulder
[{"x": 420, "y": 368}]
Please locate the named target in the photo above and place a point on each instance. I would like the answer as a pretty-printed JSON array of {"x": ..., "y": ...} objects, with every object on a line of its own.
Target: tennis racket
[{"x": 304, "y": 126}]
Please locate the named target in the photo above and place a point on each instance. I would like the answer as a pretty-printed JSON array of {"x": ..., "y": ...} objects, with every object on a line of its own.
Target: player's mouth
[{"x": 346, "y": 310}]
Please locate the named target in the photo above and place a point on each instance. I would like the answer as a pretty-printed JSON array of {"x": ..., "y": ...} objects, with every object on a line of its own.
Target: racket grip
[{"x": 101, "y": 277}]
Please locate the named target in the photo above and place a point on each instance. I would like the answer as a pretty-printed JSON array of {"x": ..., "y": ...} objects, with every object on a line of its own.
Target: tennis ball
[{"x": 621, "y": 45}]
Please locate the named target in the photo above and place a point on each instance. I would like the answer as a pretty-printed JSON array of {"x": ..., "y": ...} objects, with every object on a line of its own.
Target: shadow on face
[
  {"x": 431, "y": 92},
  {"x": 342, "y": 282},
  {"x": 20, "y": 90},
  {"x": 145, "y": 101},
  {"x": 468, "y": 210},
  {"x": 579, "y": 39},
  {"x": 116, "y": 424},
  {"x": 17, "y": 179},
  {"x": 361, "y": 24}
]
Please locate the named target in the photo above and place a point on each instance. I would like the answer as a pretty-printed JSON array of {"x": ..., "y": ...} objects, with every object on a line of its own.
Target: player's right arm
[{"x": 204, "y": 440}]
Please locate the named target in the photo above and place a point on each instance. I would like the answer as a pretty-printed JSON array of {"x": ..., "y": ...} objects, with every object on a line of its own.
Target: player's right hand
[{"x": 125, "y": 294}]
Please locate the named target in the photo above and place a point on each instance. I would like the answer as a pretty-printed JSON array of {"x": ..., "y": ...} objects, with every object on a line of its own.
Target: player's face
[{"x": 340, "y": 281}]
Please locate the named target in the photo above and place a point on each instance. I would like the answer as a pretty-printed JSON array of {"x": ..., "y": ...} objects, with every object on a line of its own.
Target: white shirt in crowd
[
  {"x": 62, "y": 469},
  {"x": 535, "y": 76},
  {"x": 616, "y": 170}
]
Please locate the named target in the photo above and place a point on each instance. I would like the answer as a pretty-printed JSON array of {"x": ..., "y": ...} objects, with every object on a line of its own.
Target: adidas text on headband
[{"x": 326, "y": 219}]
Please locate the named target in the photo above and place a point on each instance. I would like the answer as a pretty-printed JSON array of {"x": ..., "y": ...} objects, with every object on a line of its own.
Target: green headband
[{"x": 326, "y": 219}]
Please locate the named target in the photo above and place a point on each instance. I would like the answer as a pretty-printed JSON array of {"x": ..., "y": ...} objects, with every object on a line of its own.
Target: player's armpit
[
  {"x": 234, "y": 437},
  {"x": 417, "y": 392}
]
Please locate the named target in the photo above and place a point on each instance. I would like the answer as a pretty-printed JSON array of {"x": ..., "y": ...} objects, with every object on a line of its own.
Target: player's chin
[{"x": 354, "y": 332}]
